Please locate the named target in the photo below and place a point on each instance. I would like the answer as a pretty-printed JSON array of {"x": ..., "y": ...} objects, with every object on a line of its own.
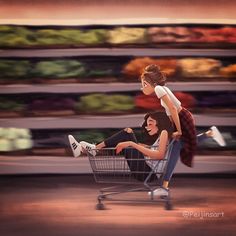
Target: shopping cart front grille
[{"x": 108, "y": 166}]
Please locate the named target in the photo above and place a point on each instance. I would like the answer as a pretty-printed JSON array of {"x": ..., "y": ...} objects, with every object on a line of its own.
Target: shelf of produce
[
  {"x": 112, "y": 87},
  {"x": 116, "y": 121},
  {"x": 113, "y": 51}
]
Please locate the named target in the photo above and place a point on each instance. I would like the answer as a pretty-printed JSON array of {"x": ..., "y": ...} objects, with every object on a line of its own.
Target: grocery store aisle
[{"x": 65, "y": 205}]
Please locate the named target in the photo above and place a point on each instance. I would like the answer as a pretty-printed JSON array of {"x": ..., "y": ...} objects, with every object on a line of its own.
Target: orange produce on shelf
[{"x": 135, "y": 67}]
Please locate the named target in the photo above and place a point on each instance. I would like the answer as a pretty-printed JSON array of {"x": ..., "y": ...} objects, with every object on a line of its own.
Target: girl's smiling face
[
  {"x": 147, "y": 88},
  {"x": 151, "y": 127}
]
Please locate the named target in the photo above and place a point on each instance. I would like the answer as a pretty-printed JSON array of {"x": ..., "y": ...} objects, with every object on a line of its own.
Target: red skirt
[{"x": 188, "y": 137}]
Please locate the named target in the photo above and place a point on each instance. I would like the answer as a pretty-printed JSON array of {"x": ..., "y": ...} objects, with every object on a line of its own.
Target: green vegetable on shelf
[
  {"x": 16, "y": 37},
  {"x": 10, "y": 133},
  {"x": 13, "y": 139},
  {"x": 12, "y": 40},
  {"x": 14, "y": 69},
  {"x": 50, "y": 37},
  {"x": 5, "y": 29},
  {"x": 99, "y": 73},
  {"x": 23, "y": 133},
  {"x": 70, "y": 37},
  {"x": 21, "y": 144},
  {"x": 9, "y": 105},
  {"x": 13, "y": 133},
  {"x": 102, "y": 103},
  {"x": 59, "y": 69},
  {"x": 92, "y": 37},
  {"x": 119, "y": 103},
  {"x": 94, "y": 102},
  {"x": 3, "y": 132},
  {"x": 5, "y": 145}
]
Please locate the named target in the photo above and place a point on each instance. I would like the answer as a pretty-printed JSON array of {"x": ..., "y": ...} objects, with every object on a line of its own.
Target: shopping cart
[{"x": 129, "y": 174}]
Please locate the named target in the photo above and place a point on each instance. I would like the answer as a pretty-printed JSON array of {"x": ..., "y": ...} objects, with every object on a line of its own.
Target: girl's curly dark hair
[{"x": 163, "y": 123}]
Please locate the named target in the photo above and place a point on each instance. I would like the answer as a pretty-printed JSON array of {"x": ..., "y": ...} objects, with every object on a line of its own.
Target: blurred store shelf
[
  {"x": 36, "y": 53},
  {"x": 113, "y": 87},
  {"x": 119, "y": 21},
  {"x": 115, "y": 121}
]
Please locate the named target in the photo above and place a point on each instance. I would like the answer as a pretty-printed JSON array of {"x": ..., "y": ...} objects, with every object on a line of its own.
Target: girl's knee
[{"x": 128, "y": 130}]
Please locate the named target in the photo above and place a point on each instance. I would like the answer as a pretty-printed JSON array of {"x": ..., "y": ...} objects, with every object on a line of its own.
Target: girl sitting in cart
[{"x": 157, "y": 130}]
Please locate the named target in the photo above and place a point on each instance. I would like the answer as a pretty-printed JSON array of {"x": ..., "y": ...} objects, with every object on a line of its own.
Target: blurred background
[{"x": 72, "y": 67}]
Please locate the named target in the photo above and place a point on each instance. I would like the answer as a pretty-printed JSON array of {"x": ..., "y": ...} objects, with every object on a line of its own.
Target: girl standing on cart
[{"x": 153, "y": 81}]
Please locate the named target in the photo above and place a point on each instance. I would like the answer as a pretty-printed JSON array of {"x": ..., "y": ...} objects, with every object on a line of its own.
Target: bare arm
[
  {"x": 144, "y": 145},
  {"x": 153, "y": 154},
  {"x": 173, "y": 112}
]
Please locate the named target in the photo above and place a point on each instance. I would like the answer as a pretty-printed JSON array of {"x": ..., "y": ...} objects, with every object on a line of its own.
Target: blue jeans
[{"x": 175, "y": 154}]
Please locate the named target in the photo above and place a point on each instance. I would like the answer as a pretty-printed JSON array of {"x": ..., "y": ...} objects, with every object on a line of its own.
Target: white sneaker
[
  {"x": 75, "y": 146},
  {"x": 90, "y": 148},
  {"x": 162, "y": 192},
  {"x": 217, "y": 136}
]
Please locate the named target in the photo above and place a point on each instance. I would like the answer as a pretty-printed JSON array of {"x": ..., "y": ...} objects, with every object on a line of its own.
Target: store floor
[{"x": 65, "y": 205}]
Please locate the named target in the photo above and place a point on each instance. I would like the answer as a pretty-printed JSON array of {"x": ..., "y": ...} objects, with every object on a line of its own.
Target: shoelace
[{"x": 89, "y": 149}]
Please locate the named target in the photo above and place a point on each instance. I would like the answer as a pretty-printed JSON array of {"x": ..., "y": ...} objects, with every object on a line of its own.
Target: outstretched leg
[
  {"x": 135, "y": 159},
  {"x": 121, "y": 136}
]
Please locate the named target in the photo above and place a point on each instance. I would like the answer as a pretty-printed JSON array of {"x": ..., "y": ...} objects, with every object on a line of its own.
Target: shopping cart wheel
[
  {"x": 100, "y": 206},
  {"x": 168, "y": 206}
]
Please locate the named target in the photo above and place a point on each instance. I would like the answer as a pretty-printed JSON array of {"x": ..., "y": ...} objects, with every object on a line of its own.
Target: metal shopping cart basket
[{"x": 130, "y": 174}]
